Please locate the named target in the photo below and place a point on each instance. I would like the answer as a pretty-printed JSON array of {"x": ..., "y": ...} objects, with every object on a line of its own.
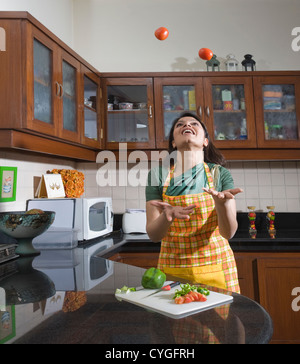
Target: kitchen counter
[{"x": 85, "y": 310}]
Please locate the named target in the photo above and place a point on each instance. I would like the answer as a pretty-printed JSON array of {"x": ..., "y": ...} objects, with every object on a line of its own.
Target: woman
[{"x": 191, "y": 209}]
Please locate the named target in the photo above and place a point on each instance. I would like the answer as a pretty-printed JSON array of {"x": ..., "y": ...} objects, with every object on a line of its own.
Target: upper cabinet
[
  {"x": 173, "y": 96},
  {"x": 224, "y": 104},
  {"x": 55, "y": 94},
  {"x": 229, "y": 111},
  {"x": 53, "y": 88},
  {"x": 277, "y": 110},
  {"x": 130, "y": 113},
  {"x": 249, "y": 115}
]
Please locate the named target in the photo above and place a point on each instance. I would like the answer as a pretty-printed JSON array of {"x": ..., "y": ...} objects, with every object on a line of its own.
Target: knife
[{"x": 165, "y": 288}]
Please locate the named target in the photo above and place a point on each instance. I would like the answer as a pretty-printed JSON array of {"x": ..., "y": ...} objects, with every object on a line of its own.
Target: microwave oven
[{"x": 90, "y": 217}]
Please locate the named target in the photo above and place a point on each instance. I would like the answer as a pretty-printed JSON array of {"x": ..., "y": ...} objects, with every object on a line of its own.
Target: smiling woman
[{"x": 191, "y": 209}]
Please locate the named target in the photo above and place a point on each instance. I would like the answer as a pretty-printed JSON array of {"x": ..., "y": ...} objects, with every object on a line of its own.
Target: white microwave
[
  {"x": 90, "y": 217},
  {"x": 93, "y": 217}
]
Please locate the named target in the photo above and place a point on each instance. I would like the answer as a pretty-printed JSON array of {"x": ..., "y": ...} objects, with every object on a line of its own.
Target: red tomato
[
  {"x": 179, "y": 300},
  {"x": 161, "y": 33},
  {"x": 187, "y": 299},
  {"x": 205, "y": 53},
  {"x": 202, "y": 298}
]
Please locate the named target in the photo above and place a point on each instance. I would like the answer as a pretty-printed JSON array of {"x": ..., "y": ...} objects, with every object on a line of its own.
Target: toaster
[{"x": 134, "y": 221}]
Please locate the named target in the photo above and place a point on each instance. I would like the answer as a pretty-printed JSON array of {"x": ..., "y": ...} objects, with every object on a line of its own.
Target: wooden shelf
[{"x": 14, "y": 139}]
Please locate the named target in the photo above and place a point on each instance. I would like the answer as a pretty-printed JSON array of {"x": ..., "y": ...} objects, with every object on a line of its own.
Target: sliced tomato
[
  {"x": 179, "y": 300},
  {"x": 187, "y": 299}
]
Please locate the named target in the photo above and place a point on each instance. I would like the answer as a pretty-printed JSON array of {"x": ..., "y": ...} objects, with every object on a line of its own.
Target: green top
[{"x": 191, "y": 182}]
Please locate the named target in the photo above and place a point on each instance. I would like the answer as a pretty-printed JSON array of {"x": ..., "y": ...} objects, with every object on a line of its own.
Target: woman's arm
[
  {"x": 160, "y": 216},
  {"x": 226, "y": 210}
]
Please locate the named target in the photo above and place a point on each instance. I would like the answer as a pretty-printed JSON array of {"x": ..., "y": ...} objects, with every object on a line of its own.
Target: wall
[
  {"x": 264, "y": 183},
  {"x": 105, "y": 34},
  {"x": 56, "y": 15},
  {"x": 118, "y": 35}
]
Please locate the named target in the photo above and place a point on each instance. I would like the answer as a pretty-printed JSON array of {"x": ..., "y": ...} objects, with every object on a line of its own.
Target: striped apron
[{"x": 193, "y": 249}]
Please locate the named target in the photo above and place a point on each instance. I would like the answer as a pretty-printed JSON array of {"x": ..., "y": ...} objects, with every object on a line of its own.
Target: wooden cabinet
[
  {"x": 224, "y": 104},
  {"x": 277, "y": 108},
  {"x": 173, "y": 96},
  {"x": 44, "y": 91},
  {"x": 142, "y": 260},
  {"x": 130, "y": 117},
  {"x": 271, "y": 279},
  {"x": 249, "y": 115}
]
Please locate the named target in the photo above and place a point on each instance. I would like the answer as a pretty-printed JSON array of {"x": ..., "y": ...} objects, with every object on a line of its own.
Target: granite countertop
[{"x": 83, "y": 309}]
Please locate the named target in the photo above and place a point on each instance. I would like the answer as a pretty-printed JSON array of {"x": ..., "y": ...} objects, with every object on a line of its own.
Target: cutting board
[{"x": 164, "y": 304}]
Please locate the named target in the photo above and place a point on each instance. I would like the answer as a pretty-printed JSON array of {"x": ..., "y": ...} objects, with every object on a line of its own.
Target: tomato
[
  {"x": 202, "y": 298},
  {"x": 161, "y": 33},
  {"x": 179, "y": 300},
  {"x": 187, "y": 299},
  {"x": 205, "y": 53}
]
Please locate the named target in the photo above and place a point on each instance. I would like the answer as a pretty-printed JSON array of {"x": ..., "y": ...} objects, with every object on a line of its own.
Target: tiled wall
[{"x": 264, "y": 183}]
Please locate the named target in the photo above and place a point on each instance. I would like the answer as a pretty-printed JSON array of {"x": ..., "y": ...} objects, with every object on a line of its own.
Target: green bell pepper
[{"x": 153, "y": 278}]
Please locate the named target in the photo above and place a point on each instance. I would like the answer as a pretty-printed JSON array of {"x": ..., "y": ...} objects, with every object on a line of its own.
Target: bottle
[{"x": 243, "y": 134}]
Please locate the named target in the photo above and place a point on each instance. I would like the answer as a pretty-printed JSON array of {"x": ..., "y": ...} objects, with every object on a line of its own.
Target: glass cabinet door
[
  {"x": 174, "y": 96},
  {"x": 229, "y": 112},
  {"x": 91, "y": 125},
  {"x": 130, "y": 113},
  {"x": 42, "y": 68},
  {"x": 278, "y": 112},
  {"x": 69, "y": 96}
]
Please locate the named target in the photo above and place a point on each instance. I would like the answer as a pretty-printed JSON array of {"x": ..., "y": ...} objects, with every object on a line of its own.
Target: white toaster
[{"x": 134, "y": 221}]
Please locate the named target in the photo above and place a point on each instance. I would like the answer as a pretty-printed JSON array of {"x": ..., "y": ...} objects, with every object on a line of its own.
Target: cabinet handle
[
  {"x": 207, "y": 111},
  {"x": 150, "y": 111},
  {"x": 57, "y": 88},
  {"x": 200, "y": 112},
  {"x": 62, "y": 91}
]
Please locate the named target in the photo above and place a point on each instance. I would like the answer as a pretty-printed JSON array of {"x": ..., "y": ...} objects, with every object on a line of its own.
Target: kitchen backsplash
[{"x": 264, "y": 183}]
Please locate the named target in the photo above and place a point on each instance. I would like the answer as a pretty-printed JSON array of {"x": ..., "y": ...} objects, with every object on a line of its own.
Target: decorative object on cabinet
[
  {"x": 8, "y": 184},
  {"x": 248, "y": 63},
  {"x": 73, "y": 182},
  {"x": 252, "y": 218},
  {"x": 231, "y": 63},
  {"x": 50, "y": 186},
  {"x": 213, "y": 64},
  {"x": 271, "y": 221}
]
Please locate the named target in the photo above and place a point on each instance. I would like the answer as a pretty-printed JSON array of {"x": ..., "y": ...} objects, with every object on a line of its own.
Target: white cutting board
[{"x": 164, "y": 304}]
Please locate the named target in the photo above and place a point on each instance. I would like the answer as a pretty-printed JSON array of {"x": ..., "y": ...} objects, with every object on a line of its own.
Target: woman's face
[{"x": 188, "y": 132}]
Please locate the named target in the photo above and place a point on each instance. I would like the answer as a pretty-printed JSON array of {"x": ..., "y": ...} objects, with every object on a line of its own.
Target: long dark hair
[{"x": 211, "y": 153}]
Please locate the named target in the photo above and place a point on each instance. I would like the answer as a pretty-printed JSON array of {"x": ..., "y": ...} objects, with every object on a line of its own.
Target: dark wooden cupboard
[{"x": 43, "y": 92}]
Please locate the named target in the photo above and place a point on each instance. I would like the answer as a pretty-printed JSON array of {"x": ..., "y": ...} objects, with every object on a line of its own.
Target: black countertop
[
  {"x": 85, "y": 310},
  {"x": 91, "y": 314}
]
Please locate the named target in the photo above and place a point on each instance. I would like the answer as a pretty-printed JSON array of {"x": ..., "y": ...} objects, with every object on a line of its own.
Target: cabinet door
[
  {"x": 278, "y": 280},
  {"x": 130, "y": 116},
  {"x": 90, "y": 106},
  {"x": 229, "y": 111},
  {"x": 173, "y": 96},
  {"x": 42, "y": 85},
  {"x": 69, "y": 122},
  {"x": 277, "y": 108}
]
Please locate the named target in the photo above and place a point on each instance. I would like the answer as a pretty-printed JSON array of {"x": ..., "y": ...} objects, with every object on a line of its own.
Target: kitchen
[{"x": 82, "y": 24}]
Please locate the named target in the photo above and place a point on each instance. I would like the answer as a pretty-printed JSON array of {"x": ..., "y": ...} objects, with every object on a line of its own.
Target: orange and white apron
[{"x": 194, "y": 249}]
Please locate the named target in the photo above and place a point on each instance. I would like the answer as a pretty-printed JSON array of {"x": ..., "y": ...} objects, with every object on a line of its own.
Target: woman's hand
[
  {"x": 226, "y": 210},
  {"x": 174, "y": 212},
  {"x": 223, "y": 196}
]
